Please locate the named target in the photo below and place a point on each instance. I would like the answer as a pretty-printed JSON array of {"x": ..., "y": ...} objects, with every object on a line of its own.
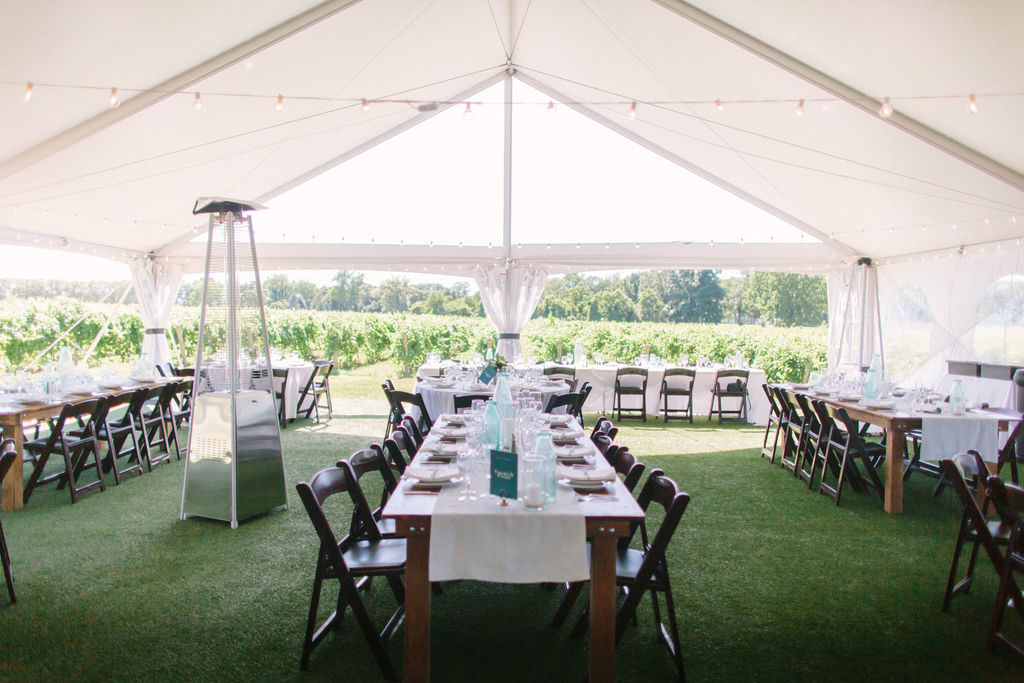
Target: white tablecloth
[
  {"x": 298, "y": 375},
  {"x": 602, "y": 397},
  {"x": 441, "y": 400}
]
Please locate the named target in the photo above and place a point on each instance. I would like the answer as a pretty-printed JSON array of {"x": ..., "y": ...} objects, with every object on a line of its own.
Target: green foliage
[
  {"x": 354, "y": 339},
  {"x": 788, "y": 298}
]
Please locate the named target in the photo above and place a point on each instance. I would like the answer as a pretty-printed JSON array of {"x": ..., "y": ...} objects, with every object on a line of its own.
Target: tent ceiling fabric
[{"x": 122, "y": 181}]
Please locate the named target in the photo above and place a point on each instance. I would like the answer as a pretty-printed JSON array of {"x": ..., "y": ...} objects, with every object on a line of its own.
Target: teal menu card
[
  {"x": 488, "y": 374},
  {"x": 504, "y": 472}
]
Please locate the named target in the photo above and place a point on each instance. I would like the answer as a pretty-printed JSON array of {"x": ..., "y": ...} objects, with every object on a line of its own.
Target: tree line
[{"x": 697, "y": 296}]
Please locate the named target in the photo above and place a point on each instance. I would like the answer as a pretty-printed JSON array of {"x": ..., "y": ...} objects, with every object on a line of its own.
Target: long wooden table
[
  {"x": 605, "y": 523},
  {"x": 896, "y": 424},
  {"x": 12, "y": 418}
]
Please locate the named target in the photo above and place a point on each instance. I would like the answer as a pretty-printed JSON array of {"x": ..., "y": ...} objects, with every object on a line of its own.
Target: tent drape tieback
[{"x": 509, "y": 295}]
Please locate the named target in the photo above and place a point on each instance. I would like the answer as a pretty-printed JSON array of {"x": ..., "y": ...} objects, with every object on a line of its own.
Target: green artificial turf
[{"x": 772, "y": 582}]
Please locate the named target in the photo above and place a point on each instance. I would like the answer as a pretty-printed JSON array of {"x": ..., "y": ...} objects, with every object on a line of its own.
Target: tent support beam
[
  {"x": 173, "y": 85},
  {"x": 835, "y": 244},
  {"x": 24, "y": 238},
  {"x": 844, "y": 92}
]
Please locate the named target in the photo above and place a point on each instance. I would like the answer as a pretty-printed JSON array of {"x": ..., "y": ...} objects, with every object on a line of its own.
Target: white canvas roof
[
  {"x": 778, "y": 104},
  {"x": 121, "y": 181}
]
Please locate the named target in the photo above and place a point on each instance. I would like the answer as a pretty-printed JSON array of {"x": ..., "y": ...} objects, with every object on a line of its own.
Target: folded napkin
[
  {"x": 600, "y": 473},
  {"x": 572, "y": 450},
  {"x": 441, "y": 448},
  {"x": 432, "y": 474},
  {"x": 565, "y": 440},
  {"x": 453, "y": 431}
]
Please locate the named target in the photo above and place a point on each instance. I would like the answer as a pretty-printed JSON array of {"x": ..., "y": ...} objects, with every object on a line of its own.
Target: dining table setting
[
  {"x": 439, "y": 391},
  {"x": 947, "y": 425},
  {"x": 470, "y": 511},
  {"x": 27, "y": 398}
]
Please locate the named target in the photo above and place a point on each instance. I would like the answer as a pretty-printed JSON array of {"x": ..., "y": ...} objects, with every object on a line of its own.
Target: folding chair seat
[
  {"x": 407, "y": 403},
  {"x": 604, "y": 426},
  {"x": 643, "y": 570},
  {"x": 7, "y": 456},
  {"x": 412, "y": 431},
  {"x": 73, "y": 436},
  {"x": 678, "y": 382},
  {"x": 280, "y": 387},
  {"x": 732, "y": 385},
  {"x": 464, "y": 402},
  {"x": 564, "y": 373},
  {"x": 118, "y": 432},
  {"x": 777, "y": 417},
  {"x": 395, "y": 410},
  {"x": 152, "y": 421},
  {"x": 1008, "y": 499},
  {"x": 353, "y": 562},
  {"x": 810, "y": 451},
  {"x": 631, "y": 381},
  {"x": 581, "y": 398},
  {"x": 626, "y": 464},
  {"x": 975, "y": 527},
  {"x": 793, "y": 437},
  {"x": 845, "y": 448},
  {"x": 395, "y": 449},
  {"x": 317, "y": 387},
  {"x": 367, "y": 461}
]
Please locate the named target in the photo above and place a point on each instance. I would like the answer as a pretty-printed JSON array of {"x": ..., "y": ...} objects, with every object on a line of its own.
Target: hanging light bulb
[
  {"x": 198, "y": 102},
  {"x": 799, "y": 111},
  {"x": 551, "y": 105},
  {"x": 366, "y": 105},
  {"x": 469, "y": 110},
  {"x": 972, "y": 104},
  {"x": 28, "y": 91},
  {"x": 719, "y": 106},
  {"x": 279, "y": 105},
  {"x": 632, "y": 112},
  {"x": 886, "y": 110},
  {"x": 115, "y": 101}
]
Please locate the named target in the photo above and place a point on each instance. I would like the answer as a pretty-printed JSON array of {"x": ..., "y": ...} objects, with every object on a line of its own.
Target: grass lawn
[{"x": 772, "y": 582}]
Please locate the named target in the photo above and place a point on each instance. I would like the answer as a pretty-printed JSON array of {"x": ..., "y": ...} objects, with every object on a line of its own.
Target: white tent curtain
[
  {"x": 966, "y": 306},
  {"x": 855, "y": 332},
  {"x": 509, "y": 295},
  {"x": 156, "y": 285}
]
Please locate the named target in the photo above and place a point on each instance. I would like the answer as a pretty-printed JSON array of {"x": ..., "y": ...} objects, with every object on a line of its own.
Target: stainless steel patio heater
[{"x": 234, "y": 469}]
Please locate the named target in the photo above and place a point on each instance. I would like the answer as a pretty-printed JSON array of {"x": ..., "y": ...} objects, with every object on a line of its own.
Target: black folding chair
[
  {"x": 118, "y": 431},
  {"x": 729, "y": 384},
  {"x": 7, "y": 456},
  {"x": 464, "y": 402},
  {"x": 975, "y": 528},
  {"x": 630, "y": 381},
  {"x": 353, "y": 563},
  {"x": 776, "y": 416},
  {"x": 845, "y": 448},
  {"x": 77, "y": 445},
  {"x": 367, "y": 461},
  {"x": 318, "y": 386},
  {"x": 678, "y": 383},
  {"x": 643, "y": 570},
  {"x": 405, "y": 402},
  {"x": 1008, "y": 500}
]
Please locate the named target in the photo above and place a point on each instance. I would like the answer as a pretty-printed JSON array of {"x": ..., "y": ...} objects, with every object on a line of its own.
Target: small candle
[{"x": 533, "y": 496}]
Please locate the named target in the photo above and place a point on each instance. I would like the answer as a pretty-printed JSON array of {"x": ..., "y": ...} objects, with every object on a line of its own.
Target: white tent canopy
[{"x": 777, "y": 104}]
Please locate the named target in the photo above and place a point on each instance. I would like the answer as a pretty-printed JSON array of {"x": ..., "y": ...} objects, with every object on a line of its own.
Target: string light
[
  {"x": 28, "y": 91},
  {"x": 719, "y": 106},
  {"x": 551, "y": 105},
  {"x": 799, "y": 111},
  {"x": 115, "y": 101},
  {"x": 366, "y": 105},
  {"x": 886, "y": 109},
  {"x": 972, "y": 104},
  {"x": 632, "y": 112},
  {"x": 279, "y": 105},
  {"x": 198, "y": 102},
  {"x": 469, "y": 110}
]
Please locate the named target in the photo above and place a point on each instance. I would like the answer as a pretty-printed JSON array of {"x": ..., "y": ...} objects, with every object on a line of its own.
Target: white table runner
[
  {"x": 943, "y": 436},
  {"x": 481, "y": 540}
]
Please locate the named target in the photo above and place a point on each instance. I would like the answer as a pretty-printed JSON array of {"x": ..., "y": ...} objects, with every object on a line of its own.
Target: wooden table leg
[
  {"x": 602, "y": 605},
  {"x": 12, "y": 495},
  {"x": 417, "y": 599},
  {"x": 894, "y": 472}
]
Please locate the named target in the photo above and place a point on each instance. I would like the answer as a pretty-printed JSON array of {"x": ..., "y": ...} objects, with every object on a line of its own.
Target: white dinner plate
[
  {"x": 434, "y": 474},
  {"x": 583, "y": 484}
]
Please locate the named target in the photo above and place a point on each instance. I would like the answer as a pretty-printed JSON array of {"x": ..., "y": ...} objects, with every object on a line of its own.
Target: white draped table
[
  {"x": 602, "y": 397},
  {"x": 440, "y": 398}
]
